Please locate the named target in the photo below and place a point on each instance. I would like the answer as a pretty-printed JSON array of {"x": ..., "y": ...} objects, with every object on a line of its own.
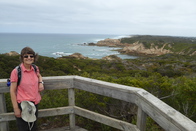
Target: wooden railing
[{"x": 148, "y": 105}]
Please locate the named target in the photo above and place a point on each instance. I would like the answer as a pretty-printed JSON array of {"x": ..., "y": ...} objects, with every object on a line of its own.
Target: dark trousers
[{"x": 23, "y": 125}]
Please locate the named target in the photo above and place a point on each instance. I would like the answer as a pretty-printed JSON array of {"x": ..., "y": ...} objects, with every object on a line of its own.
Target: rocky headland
[{"x": 152, "y": 45}]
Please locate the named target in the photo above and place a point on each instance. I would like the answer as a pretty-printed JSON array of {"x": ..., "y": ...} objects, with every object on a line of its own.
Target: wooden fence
[{"x": 148, "y": 105}]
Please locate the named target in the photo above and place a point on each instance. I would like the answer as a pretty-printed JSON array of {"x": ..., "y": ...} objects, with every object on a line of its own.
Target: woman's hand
[
  {"x": 41, "y": 87},
  {"x": 41, "y": 84},
  {"x": 17, "y": 112}
]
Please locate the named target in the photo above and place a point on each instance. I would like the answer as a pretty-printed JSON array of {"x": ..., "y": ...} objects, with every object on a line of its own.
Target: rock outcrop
[
  {"x": 194, "y": 53},
  {"x": 12, "y": 53},
  {"x": 139, "y": 49},
  {"x": 91, "y": 44},
  {"x": 76, "y": 56},
  {"x": 112, "y": 58},
  {"x": 109, "y": 42}
]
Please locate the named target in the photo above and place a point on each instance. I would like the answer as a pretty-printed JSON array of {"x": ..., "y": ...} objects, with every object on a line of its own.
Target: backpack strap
[
  {"x": 35, "y": 68},
  {"x": 20, "y": 74}
]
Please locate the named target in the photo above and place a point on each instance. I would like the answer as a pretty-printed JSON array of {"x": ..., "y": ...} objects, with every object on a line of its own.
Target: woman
[{"x": 29, "y": 88}]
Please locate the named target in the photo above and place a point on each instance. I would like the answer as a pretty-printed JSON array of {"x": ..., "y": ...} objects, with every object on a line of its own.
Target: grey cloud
[{"x": 99, "y": 16}]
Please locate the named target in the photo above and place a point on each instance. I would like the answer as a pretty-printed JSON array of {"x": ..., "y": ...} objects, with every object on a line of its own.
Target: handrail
[{"x": 167, "y": 117}]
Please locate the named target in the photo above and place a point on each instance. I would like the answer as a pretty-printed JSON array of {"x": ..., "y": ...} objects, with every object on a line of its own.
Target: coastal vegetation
[
  {"x": 158, "y": 39},
  {"x": 177, "y": 45},
  {"x": 170, "y": 77}
]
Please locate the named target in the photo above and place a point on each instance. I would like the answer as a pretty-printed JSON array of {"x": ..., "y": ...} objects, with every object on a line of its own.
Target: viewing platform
[{"x": 147, "y": 105}]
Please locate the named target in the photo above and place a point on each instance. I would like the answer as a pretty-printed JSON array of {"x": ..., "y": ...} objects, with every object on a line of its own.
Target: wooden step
[{"x": 66, "y": 128}]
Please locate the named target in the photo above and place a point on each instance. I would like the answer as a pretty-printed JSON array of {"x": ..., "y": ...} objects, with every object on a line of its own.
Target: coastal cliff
[
  {"x": 152, "y": 45},
  {"x": 138, "y": 48}
]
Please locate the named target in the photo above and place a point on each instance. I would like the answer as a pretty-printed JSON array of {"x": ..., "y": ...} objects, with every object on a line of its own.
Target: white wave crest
[{"x": 61, "y": 53}]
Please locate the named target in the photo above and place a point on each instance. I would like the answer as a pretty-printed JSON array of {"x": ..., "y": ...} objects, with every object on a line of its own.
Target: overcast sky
[{"x": 122, "y": 17}]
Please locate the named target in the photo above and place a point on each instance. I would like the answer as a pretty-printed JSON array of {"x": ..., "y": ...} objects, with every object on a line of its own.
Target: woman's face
[{"x": 28, "y": 59}]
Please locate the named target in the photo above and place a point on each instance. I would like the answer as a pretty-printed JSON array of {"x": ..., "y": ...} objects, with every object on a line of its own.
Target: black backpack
[{"x": 20, "y": 74}]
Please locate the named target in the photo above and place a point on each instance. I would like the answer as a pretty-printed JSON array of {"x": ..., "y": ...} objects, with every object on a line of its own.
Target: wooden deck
[{"x": 65, "y": 129}]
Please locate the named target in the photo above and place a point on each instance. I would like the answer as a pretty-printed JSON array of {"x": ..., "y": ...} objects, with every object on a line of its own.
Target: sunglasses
[{"x": 26, "y": 56}]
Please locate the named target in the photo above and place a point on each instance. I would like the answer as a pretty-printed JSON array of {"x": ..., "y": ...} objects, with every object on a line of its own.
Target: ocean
[{"x": 57, "y": 45}]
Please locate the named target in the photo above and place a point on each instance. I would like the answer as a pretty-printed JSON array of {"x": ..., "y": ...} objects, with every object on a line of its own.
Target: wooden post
[
  {"x": 3, "y": 125},
  {"x": 141, "y": 119},
  {"x": 71, "y": 95}
]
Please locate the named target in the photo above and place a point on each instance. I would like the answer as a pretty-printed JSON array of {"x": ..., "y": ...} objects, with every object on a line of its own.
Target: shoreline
[
  {"x": 64, "y": 45},
  {"x": 57, "y": 45}
]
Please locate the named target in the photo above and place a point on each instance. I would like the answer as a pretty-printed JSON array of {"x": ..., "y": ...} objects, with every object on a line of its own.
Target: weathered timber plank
[
  {"x": 125, "y": 126},
  {"x": 3, "y": 125},
  {"x": 71, "y": 96},
  {"x": 3, "y": 86},
  {"x": 50, "y": 83},
  {"x": 66, "y": 128},
  {"x": 3, "y": 82},
  {"x": 4, "y": 89},
  {"x": 7, "y": 117},
  {"x": 42, "y": 113},
  {"x": 141, "y": 119},
  {"x": 121, "y": 92},
  {"x": 58, "y": 82},
  {"x": 2, "y": 103},
  {"x": 167, "y": 117},
  {"x": 56, "y": 111}
]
